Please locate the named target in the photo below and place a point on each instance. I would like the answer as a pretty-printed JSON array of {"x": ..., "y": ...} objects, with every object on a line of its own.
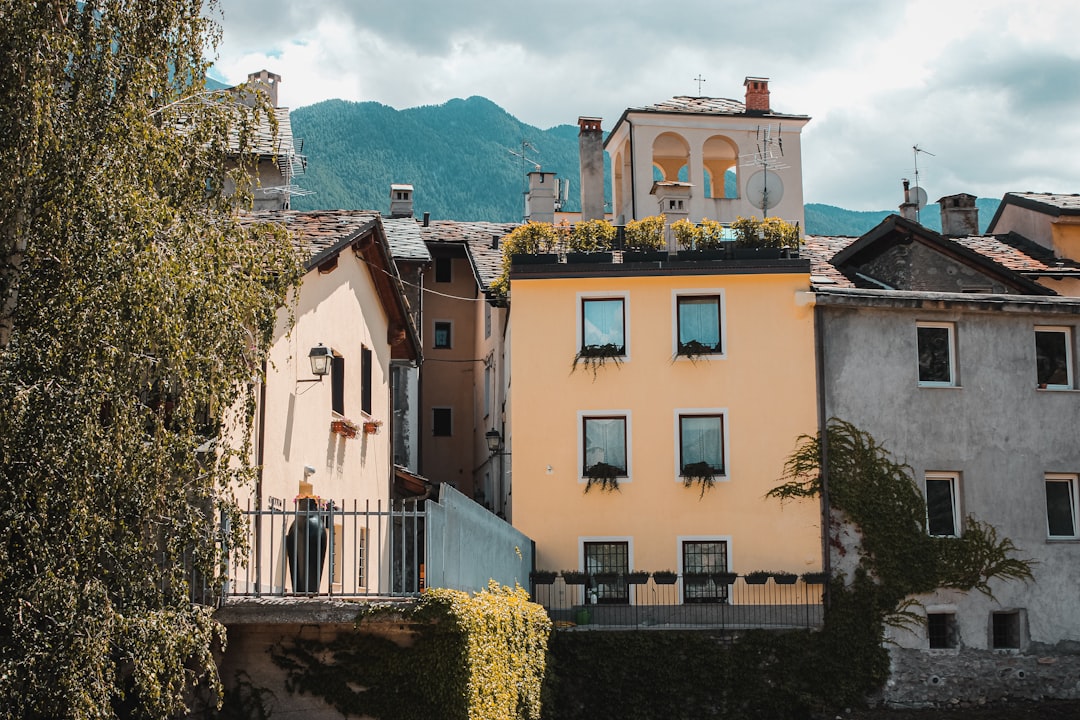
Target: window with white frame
[
  {"x": 604, "y": 441},
  {"x": 610, "y": 561},
  {"x": 702, "y": 562},
  {"x": 701, "y": 443},
  {"x": 1053, "y": 357},
  {"x": 699, "y": 324},
  {"x": 942, "y": 504},
  {"x": 1061, "y": 506},
  {"x": 937, "y": 354},
  {"x": 603, "y": 323}
]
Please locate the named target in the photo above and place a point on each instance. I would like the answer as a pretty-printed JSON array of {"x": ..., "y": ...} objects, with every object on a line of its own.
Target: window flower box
[
  {"x": 638, "y": 577},
  {"x": 784, "y": 578},
  {"x": 371, "y": 427},
  {"x": 344, "y": 427},
  {"x": 542, "y": 577},
  {"x": 758, "y": 577},
  {"x": 664, "y": 577},
  {"x": 814, "y": 578},
  {"x": 573, "y": 577}
]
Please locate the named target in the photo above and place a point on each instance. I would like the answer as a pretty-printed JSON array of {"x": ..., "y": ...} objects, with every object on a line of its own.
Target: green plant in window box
[
  {"x": 665, "y": 577},
  {"x": 783, "y": 577},
  {"x": 814, "y": 578},
  {"x": 757, "y": 577},
  {"x": 542, "y": 577},
  {"x": 638, "y": 577},
  {"x": 699, "y": 472},
  {"x": 605, "y": 476},
  {"x": 593, "y": 357},
  {"x": 573, "y": 577},
  {"x": 694, "y": 349}
]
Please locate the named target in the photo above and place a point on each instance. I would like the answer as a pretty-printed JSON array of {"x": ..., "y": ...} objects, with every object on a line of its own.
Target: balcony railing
[
  {"x": 600, "y": 602},
  {"x": 366, "y": 550}
]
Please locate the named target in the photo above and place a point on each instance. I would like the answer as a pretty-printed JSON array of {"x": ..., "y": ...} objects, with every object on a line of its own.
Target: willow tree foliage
[{"x": 134, "y": 314}]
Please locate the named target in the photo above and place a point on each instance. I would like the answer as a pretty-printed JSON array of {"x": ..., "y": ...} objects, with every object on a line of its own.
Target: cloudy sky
[{"x": 990, "y": 87}]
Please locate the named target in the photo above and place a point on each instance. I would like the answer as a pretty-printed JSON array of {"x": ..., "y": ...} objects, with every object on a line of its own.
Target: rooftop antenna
[
  {"x": 525, "y": 146},
  {"x": 916, "y": 150},
  {"x": 764, "y": 190},
  {"x": 699, "y": 80}
]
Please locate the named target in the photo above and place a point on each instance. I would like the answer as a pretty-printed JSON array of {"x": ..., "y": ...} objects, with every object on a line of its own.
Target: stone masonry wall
[{"x": 952, "y": 678}]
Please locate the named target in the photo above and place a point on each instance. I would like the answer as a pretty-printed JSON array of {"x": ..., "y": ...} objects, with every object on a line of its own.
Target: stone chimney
[
  {"x": 757, "y": 94},
  {"x": 266, "y": 82},
  {"x": 909, "y": 209},
  {"x": 959, "y": 216},
  {"x": 673, "y": 201},
  {"x": 540, "y": 201},
  {"x": 401, "y": 201},
  {"x": 591, "y": 154}
]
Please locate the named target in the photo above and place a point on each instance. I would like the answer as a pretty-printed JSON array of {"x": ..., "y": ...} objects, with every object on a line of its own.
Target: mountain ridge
[{"x": 467, "y": 159}]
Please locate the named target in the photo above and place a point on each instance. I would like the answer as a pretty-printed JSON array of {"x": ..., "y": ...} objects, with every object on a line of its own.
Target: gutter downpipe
[{"x": 823, "y": 433}]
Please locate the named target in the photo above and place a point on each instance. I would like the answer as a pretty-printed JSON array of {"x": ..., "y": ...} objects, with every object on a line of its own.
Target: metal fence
[
  {"x": 363, "y": 551},
  {"x": 626, "y": 602}
]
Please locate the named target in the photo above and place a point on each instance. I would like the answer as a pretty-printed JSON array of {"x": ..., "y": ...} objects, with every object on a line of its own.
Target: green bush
[
  {"x": 591, "y": 236},
  {"x": 481, "y": 657},
  {"x": 645, "y": 234}
]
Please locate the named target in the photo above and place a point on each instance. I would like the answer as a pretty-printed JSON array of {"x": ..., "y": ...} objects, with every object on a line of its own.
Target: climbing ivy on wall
[{"x": 474, "y": 657}]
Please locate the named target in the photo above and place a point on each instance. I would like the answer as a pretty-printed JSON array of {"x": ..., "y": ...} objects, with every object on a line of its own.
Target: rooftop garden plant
[
  {"x": 772, "y": 232},
  {"x": 645, "y": 234}
]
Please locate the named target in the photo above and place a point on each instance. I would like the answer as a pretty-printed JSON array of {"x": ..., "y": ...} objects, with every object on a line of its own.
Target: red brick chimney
[{"x": 757, "y": 94}]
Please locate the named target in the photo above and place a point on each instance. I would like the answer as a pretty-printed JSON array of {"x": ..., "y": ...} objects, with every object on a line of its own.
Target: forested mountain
[{"x": 464, "y": 160}]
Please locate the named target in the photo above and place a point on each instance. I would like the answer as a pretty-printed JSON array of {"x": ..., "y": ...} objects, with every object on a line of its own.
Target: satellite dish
[
  {"x": 918, "y": 196},
  {"x": 765, "y": 190}
]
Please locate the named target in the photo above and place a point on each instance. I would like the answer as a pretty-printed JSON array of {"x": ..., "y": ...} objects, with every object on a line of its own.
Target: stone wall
[{"x": 947, "y": 678}]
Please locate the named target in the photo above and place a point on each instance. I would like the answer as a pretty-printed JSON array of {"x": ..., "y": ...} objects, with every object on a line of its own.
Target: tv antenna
[
  {"x": 525, "y": 159},
  {"x": 918, "y": 189},
  {"x": 765, "y": 189},
  {"x": 699, "y": 80}
]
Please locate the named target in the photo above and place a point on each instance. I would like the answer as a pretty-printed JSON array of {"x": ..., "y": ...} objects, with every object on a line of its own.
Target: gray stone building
[{"x": 953, "y": 355}]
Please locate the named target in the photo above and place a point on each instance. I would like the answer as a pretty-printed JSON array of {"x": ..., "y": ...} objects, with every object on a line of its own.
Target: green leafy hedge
[{"x": 474, "y": 657}]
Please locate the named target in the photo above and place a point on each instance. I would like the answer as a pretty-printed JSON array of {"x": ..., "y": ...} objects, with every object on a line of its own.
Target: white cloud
[{"x": 991, "y": 87}]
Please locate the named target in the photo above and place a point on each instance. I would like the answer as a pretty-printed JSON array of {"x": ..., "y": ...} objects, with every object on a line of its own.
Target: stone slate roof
[
  {"x": 1066, "y": 204},
  {"x": 317, "y": 233},
  {"x": 477, "y": 237},
  {"x": 406, "y": 242},
  {"x": 687, "y": 105},
  {"x": 820, "y": 249}
]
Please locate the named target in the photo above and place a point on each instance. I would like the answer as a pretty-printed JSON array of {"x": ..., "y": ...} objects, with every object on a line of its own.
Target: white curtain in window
[
  {"x": 699, "y": 319},
  {"x": 605, "y": 441},
  {"x": 603, "y": 322},
  {"x": 702, "y": 440}
]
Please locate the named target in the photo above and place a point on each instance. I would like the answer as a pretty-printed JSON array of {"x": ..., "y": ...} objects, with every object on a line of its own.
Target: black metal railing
[
  {"x": 320, "y": 548},
  {"x": 677, "y": 601}
]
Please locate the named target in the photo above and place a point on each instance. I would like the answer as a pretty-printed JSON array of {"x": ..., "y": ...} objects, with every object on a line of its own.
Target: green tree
[{"x": 135, "y": 311}]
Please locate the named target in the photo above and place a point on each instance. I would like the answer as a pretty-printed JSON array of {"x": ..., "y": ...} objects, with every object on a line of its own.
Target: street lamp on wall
[
  {"x": 320, "y": 358},
  {"x": 494, "y": 441}
]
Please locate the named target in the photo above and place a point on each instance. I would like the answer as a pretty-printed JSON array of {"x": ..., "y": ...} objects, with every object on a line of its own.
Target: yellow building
[{"x": 737, "y": 405}]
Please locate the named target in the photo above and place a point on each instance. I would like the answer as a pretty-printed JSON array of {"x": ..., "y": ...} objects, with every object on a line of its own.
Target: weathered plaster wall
[
  {"x": 914, "y": 266},
  {"x": 996, "y": 429}
]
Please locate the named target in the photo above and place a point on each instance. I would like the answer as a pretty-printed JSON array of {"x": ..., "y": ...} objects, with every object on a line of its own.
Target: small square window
[
  {"x": 604, "y": 442},
  {"x": 603, "y": 323},
  {"x": 1053, "y": 358},
  {"x": 441, "y": 422},
  {"x": 941, "y": 630},
  {"x": 942, "y": 516},
  {"x": 1006, "y": 630},
  {"x": 442, "y": 334},
  {"x": 698, "y": 318},
  {"x": 937, "y": 354},
  {"x": 701, "y": 440},
  {"x": 1061, "y": 506},
  {"x": 443, "y": 272}
]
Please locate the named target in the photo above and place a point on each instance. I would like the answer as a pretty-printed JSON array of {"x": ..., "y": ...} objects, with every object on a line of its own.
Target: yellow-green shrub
[
  {"x": 591, "y": 236},
  {"x": 645, "y": 234}
]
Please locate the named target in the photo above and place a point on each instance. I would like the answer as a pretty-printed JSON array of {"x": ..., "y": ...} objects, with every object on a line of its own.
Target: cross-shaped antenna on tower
[
  {"x": 699, "y": 80},
  {"x": 916, "y": 150}
]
